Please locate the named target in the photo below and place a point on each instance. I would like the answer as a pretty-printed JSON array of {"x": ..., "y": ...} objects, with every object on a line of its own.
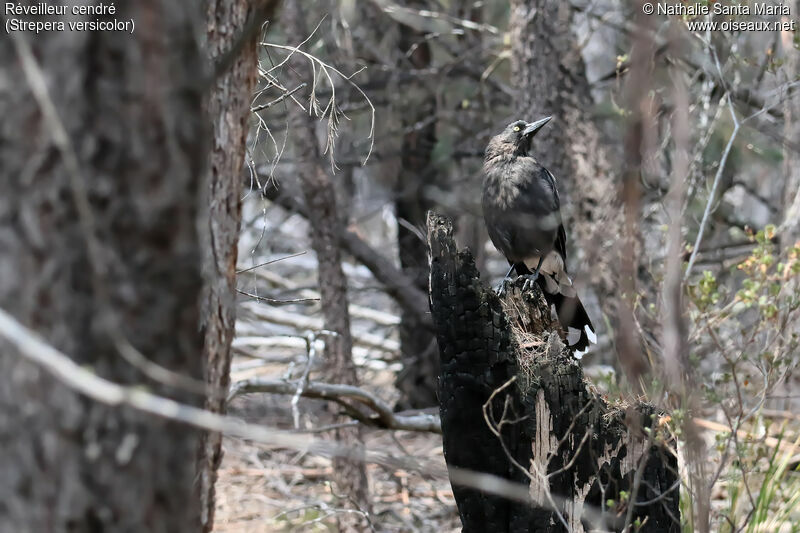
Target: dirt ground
[{"x": 265, "y": 489}]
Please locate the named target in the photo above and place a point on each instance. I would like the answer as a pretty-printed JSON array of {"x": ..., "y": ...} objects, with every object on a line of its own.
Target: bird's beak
[{"x": 531, "y": 129}]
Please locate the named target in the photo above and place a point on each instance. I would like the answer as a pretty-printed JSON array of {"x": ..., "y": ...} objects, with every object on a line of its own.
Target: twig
[
  {"x": 248, "y": 346},
  {"x": 331, "y": 109},
  {"x": 713, "y": 193},
  {"x": 270, "y": 262},
  {"x": 84, "y": 381},
  {"x": 273, "y": 315},
  {"x": 497, "y": 427},
  {"x": 380, "y": 318},
  {"x": 737, "y": 124},
  {"x": 279, "y": 99},
  {"x": 159, "y": 373},
  {"x": 275, "y": 301},
  {"x": 311, "y": 348}
]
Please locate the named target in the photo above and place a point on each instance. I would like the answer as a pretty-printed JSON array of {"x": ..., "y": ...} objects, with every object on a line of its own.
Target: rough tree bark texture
[
  {"x": 550, "y": 75},
  {"x": 132, "y": 111},
  {"x": 350, "y": 474},
  {"x": 417, "y": 381},
  {"x": 228, "y": 105},
  {"x": 326, "y": 227},
  {"x": 503, "y": 367}
]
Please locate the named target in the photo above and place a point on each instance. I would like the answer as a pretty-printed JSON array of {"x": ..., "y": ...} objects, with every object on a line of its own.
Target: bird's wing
[
  {"x": 538, "y": 196},
  {"x": 561, "y": 244},
  {"x": 548, "y": 177}
]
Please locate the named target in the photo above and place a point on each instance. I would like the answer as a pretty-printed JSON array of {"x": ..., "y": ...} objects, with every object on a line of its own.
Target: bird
[{"x": 522, "y": 212}]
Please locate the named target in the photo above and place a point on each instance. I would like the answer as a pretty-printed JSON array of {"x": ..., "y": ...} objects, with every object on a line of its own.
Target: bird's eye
[{"x": 516, "y": 128}]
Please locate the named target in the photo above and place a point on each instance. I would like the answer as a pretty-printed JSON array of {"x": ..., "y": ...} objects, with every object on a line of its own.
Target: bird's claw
[
  {"x": 530, "y": 279},
  {"x": 501, "y": 288}
]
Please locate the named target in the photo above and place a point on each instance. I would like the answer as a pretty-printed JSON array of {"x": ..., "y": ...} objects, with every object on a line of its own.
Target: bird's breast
[{"x": 500, "y": 194}]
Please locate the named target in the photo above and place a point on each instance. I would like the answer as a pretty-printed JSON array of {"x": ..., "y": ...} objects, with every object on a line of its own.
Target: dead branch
[
  {"x": 249, "y": 346},
  {"x": 352, "y": 398}
]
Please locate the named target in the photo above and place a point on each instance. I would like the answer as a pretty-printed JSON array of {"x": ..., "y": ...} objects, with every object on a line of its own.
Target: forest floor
[{"x": 264, "y": 489}]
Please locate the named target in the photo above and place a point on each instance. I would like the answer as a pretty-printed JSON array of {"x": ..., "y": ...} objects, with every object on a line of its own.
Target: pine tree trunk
[
  {"x": 417, "y": 380},
  {"x": 99, "y": 246},
  {"x": 350, "y": 474},
  {"x": 228, "y": 23}
]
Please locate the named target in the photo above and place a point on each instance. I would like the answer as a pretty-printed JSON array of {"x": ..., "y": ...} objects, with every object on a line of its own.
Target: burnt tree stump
[{"x": 514, "y": 404}]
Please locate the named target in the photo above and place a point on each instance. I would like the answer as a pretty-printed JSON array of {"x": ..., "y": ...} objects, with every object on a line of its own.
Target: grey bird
[{"x": 523, "y": 217}]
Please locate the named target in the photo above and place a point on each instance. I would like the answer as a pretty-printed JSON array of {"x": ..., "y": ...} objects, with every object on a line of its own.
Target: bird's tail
[
  {"x": 572, "y": 316},
  {"x": 558, "y": 291}
]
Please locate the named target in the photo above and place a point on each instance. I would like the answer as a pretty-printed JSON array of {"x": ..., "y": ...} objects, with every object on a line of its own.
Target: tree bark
[
  {"x": 350, "y": 474},
  {"x": 417, "y": 381},
  {"x": 230, "y": 25},
  {"x": 514, "y": 404},
  {"x": 103, "y": 149}
]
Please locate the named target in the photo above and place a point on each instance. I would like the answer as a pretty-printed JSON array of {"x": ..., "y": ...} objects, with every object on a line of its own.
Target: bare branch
[
  {"x": 279, "y": 99},
  {"x": 331, "y": 111},
  {"x": 33, "y": 348},
  {"x": 383, "y": 417},
  {"x": 276, "y": 301},
  {"x": 270, "y": 262},
  {"x": 712, "y": 195}
]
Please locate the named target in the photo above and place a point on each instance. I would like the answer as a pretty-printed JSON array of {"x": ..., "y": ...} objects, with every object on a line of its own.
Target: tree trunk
[
  {"x": 549, "y": 73},
  {"x": 350, "y": 474},
  {"x": 417, "y": 381},
  {"x": 228, "y": 24},
  {"x": 514, "y": 404},
  {"x": 103, "y": 151}
]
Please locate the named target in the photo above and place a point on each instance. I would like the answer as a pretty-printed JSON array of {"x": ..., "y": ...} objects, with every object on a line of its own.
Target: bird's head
[{"x": 516, "y": 138}]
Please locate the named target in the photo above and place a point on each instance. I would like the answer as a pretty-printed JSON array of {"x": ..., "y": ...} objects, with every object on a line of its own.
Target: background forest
[{"x": 214, "y": 308}]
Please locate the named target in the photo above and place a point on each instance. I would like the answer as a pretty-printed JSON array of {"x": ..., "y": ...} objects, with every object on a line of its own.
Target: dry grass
[
  {"x": 263, "y": 489},
  {"x": 278, "y": 490}
]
